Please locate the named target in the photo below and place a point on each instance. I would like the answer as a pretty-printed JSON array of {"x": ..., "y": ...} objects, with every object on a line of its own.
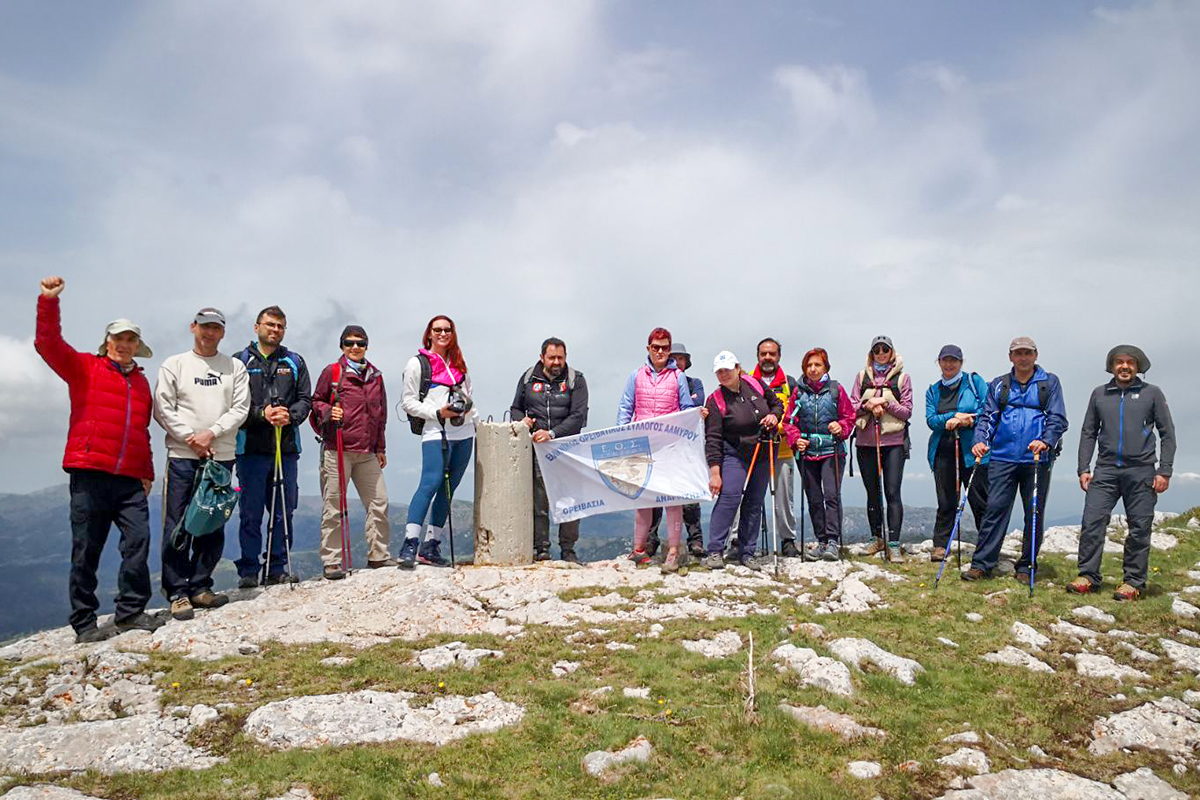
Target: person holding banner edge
[
  {"x": 656, "y": 388},
  {"x": 552, "y": 401},
  {"x": 742, "y": 415},
  {"x": 691, "y": 511}
]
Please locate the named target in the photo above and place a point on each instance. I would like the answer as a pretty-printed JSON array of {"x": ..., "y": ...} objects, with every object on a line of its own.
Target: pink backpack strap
[
  {"x": 750, "y": 379},
  {"x": 719, "y": 399}
]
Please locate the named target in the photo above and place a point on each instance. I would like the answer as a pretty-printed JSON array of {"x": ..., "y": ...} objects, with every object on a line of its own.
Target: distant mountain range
[{"x": 35, "y": 538}]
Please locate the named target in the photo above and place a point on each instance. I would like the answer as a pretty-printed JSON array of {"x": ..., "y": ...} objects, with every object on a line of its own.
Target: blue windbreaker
[{"x": 1023, "y": 420}]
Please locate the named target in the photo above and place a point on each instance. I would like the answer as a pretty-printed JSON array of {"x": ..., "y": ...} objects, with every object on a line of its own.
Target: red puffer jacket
[
  {"x": 364, "y": 409},
  {"x": 110, "y": 411}
]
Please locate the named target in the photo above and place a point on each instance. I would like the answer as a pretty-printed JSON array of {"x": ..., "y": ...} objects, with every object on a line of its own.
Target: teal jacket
[{"x": 971, "y": 400}]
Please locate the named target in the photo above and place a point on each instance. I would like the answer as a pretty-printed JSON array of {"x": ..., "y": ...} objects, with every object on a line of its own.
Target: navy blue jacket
[
  {"x": 1023, "y": 420},
  {"x": 279, "y": 379}
]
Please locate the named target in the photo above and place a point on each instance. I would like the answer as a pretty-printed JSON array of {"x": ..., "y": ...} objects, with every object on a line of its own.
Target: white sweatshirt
[
  {"x": 194, "y": 393},
  {"x": 428, "y": 408}
]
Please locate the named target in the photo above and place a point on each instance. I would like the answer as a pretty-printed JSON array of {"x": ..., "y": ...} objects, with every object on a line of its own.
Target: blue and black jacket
[
  {"x": 1024, "y": 418},
  {"x": 1122, "y": 421},
  {"x": 972, "y": 397},
  {"x": 279, "y": 379}
]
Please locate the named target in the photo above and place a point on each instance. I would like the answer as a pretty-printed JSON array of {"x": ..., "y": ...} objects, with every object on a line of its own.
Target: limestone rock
[
  {"x": 814, "y": 670},
  {"x": 947, "y": 642},
  {"x": 1093, "y": 614},
  {"x": 370, "y": 716},
  {"x": 143, "y": 743},
  {"x": 1015, "y": 657},
  {"x": 201, "y": 715},
  {"x": 1027, "y": 635},
  {"x": 851, "y": 596},
  {"x": 1184, "y": 609},
  {"x": 435, "y": 779},
  {"x": 966, "y": 737},
  {"x": 1094, "y": 665},
  {"x": 811, "y": 629},
  {"x": 336, "y": 661},
  {"x": 603, "y": 763},
  {"x": 561, "y": 669},
  {"x": 967, "y": 758},
  {"x": 1183, "y": 655},
  {"x": 857, "y": 652},
  {"x": 45, "y": 792},
  {"x": 1070, "y": 630},
  {"x": 972, "y": 616},
  {"x": 1137, "y": 652},
  {"x": 453, "y": 654},
  {"x": 640, "y": 693},
  {"x": 864, "y": 770},
  {"x": 1166, "y": 725},
  {"x": 1022, "y": 784},
  {"x": 724, "y": 644},
  {"x": 822, "y": 719},
  {"x": 1143, "y": 784}
]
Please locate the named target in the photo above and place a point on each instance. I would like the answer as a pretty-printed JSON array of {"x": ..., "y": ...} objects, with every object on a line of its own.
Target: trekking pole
[
  {"x": 883, "y": 527},
  {"x": 343, "y": 512},
  {"x": 749, "y": 472},
  {"x": 1037, "y": 460},
  {"x": 957, "y": 485},
  {"x": 266, "y": 572},
  {"x": 837, "y": 483},
  {"x": 803, "y": 554},
  {"x": 449, "y": 492},
  {"x": 287, "y": 544},
  {"x": 774, "y": 511},
  {"x": 962, "y": 503}
]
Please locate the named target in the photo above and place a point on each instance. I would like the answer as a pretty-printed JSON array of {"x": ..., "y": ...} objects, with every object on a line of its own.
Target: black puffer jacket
[
  {"x": 737, "y": 429},
  {"x": 554, "y": 406}
]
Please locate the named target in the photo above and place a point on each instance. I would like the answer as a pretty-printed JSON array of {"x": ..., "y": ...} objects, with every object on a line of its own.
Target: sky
[{"x": 816, "y": 172}]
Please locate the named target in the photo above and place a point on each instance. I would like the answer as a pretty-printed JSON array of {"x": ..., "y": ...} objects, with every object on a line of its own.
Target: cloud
[
  {"x": 1187, "y": 476},
  {"x": 826, "y": 100},
  {"x": 32, "y": 398}
]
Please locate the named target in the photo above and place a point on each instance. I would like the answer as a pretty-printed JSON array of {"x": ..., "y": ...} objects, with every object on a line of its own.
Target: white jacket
[{"x": 436, "y": 399}]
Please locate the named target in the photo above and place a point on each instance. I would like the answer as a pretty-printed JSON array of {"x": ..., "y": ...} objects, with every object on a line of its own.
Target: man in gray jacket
[{"x": 1121, "y": 418}]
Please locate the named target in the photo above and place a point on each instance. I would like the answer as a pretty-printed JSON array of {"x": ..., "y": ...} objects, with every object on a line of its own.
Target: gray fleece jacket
[{"x": 1122, "y": 423}]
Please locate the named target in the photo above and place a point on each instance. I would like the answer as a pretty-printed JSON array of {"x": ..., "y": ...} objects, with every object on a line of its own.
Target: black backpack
[{"x": 417, "y": 424}]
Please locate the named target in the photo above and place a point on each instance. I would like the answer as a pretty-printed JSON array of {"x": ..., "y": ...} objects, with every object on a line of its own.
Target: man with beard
[
  {"x": 552, "y": 400},
  {"x": 770, "y": 374},
  {"x": 1121, "y": 418}
]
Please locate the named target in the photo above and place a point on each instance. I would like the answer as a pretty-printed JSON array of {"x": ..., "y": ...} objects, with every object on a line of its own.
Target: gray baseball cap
[
  {"x": 882, "y": 340},
  {"x": 122, "y": 326},
  {"x": 1022, "y": 343},
  {"x": 209, "y": 315}
]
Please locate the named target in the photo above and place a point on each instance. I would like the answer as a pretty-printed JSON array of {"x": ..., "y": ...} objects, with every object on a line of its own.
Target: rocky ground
[{"x": 70, "y": 715}]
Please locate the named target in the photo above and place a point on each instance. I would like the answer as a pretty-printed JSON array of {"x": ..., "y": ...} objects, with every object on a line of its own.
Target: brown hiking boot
[
  {"x": 894, "y": 554},
  {"x": 1080, "y": 585},
  {"x": 876, "y": 546},
  {"x": 208, "y": 599},
  {"x": 671, "y": 564},
  {"x": 937, "y": 554},
  {"x": 975, "y": 574},
  {"x": 181, "y": 609},
  {"x": 1126, "y": 592}
]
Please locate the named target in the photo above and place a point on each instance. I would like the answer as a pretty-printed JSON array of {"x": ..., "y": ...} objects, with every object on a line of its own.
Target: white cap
[
  {"x": 724, "y": 360},
  {"x": 121, "y": 326}
]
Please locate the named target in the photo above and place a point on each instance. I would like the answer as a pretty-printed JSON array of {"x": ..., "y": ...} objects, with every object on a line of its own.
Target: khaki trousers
[{"x": 364, "y": 471}]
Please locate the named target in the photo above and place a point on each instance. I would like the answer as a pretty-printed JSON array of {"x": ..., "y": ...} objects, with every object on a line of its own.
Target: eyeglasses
[
  {"x": 441, "y": 330},
  {"x": 354, "y": 343},
  {"x": 880, "y": 348},
  {"x": 661, "y": 348}
]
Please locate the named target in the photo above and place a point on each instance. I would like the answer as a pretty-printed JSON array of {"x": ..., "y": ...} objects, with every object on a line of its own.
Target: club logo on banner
[{"x": 648, "y": 464}]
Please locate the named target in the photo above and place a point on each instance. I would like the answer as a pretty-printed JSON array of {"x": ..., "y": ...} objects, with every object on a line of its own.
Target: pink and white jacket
[{"x": 651, "y": 394}]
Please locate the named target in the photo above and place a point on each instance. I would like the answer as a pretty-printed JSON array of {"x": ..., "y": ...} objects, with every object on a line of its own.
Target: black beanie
[{"x": 356, "y": 330}]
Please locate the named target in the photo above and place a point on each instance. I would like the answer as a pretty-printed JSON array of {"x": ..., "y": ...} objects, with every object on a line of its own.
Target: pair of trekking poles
[{"x": 278, "y": 490}]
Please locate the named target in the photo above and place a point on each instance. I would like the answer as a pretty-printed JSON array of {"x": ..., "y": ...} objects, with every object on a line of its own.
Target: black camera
[{"x": 459, "y": 403}]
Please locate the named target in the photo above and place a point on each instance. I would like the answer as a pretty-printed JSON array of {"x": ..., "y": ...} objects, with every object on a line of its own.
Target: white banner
[{"x": 652, "y": 463}]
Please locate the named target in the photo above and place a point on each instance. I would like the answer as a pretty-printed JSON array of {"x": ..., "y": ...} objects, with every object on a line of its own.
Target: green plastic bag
[{"x": 213, "y": 499}]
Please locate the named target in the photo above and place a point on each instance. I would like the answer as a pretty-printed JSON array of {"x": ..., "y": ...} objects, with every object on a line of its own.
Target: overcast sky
[{"x": 936, "y": 171}]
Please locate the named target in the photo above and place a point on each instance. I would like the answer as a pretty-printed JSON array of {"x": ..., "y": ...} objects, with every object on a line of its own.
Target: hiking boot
[
  {"x": 1126, "y": 592},
  {"x": 696, "y": 549},
  {"x": 789, "y": 549},
  {"x": 332, "y": 572},
  {"x": 569, "y": 556},
  {"x": 1081, "y": 585},
  {"x": 431, "y": 554},
  {"x": 93, "y": 633},
  {"x": 248, "y": 582},
  {"x": 713, "y": 561},
  {"x": 542, "y": 555},
  {"x": 640, "y": 557},
  {"x": 384, "y": 562},
  {"x": 937, "y": 554},
  {"x": 748, "y": 563},
  {"x": 181, "y": 609},
  {"x": 140, "y": 621},
  {"x": 671, "y": 564},
  {"x": 877, "y": 545},
  {"x": 1022, "y": 578},
  {"x": 209, "y": 599},
  {"x": 652, "y": 546},
  {"x": 829, "y": 552},
  {"x": 975, "y": 574},
  {"x": 894, "y": 554},
  {"x": 408, "y": 553}
]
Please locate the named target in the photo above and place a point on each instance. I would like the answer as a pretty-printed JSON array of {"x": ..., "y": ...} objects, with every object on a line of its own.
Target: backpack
[
  {"x": 719, "y": 397},
  {"x": 894, "y": 385},
  {"x": 213, "y": 499},
  {"x": 1043, "y": 402},
  {"x": 417, "y": 424}
]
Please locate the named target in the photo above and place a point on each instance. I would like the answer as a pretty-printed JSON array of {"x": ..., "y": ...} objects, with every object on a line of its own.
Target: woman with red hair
[
  {"x": 437, "y": 391},
  {"x": 657, "y": 387},
  {"x": 819, "y": 420}
]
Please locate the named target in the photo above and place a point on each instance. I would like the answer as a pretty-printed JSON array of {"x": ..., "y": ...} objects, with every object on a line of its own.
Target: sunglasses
[
  {"x": 354, "y": 343},
  {"x": 661, "y": 348},
  {"x": 441, "y": 330},
  {"x": 880, "y": 348}
]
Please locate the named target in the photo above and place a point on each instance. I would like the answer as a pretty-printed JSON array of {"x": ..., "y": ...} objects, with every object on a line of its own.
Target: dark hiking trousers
[
  {"x": 256, "y": 477},
  {"x": 568, "y": 532},
  {"x": 821, "y": 483},
  {"x": 893, "y": 473},
  {"x": 1004, "y": 480},
  {"x": 691, "y": 523},
  {"x": 1134, "y": 486},
  {"x": 732, "y": 499},
  {"x": 187, "y": 570},
  {"x": 947, "y": 493},
  {"x": 99, "y": 499}
]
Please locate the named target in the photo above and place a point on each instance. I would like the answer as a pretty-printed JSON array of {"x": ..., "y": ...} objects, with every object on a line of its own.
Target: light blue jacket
[{"x": 971, "y": 400}]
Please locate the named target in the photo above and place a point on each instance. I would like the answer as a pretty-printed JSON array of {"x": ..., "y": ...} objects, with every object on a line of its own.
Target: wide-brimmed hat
[
  {"x": 121, "y": 326},
  {"x": 680, "y": 349},
  {"x": 1143, "y": 363}
]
